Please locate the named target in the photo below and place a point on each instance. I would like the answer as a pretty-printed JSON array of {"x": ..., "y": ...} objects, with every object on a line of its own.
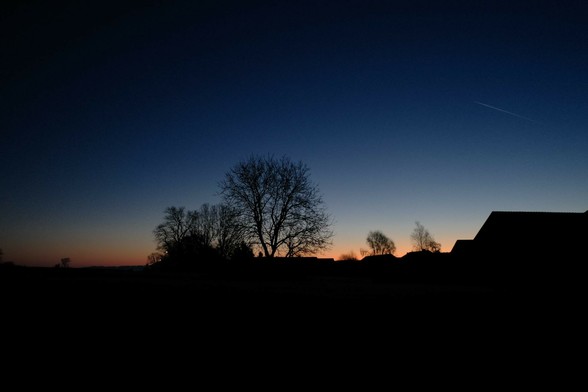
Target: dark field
[
  {"x": 276, "y": 315},
  {"x": 302, "y": 292}
]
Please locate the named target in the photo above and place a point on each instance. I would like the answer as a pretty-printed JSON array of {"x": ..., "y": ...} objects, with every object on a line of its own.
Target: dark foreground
[
  {"x": 294, "y": 320},
  {"x": 299, "y": 294}
]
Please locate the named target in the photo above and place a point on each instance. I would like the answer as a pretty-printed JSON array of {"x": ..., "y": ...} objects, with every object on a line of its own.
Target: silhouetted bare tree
[
  {"x": 277, "y": 206},
  {"x": 206, "y": 233},
  {"x": 423, "y": 240},
  {"x": 229, "y": 237},
  {"x": 380, "y": 244},
  {"x": 177, "y": 225},
  {"x": 204, "y": 224}
]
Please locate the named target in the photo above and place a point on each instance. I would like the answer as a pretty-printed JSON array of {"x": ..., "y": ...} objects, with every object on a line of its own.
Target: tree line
[
  {"x": 380, "y": 244},
  {"x": 269, "y": 206}
]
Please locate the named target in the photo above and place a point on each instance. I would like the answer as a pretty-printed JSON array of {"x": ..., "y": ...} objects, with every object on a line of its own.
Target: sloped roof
[
  {"x": 518, "y": 224},
  {"x": 527, "y": 231},
  {"x": 462, "y": 246}
]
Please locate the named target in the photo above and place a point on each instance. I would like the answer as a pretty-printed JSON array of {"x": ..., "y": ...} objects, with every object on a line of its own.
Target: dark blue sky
[{"x": 403, "y": 111}]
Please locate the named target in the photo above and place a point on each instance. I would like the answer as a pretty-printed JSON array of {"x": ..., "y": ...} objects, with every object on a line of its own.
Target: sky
[{"x": 404, "y": 111}]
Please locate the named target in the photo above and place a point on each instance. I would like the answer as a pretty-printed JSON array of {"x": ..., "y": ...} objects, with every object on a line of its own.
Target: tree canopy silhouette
[
  {"x": 207, "y": 233},
  {"x": 277, "y": 206},
  {"x": 380, "y": 244},
  {"x": 423, "y": 240},
  {"x": 176, "y": 227}
]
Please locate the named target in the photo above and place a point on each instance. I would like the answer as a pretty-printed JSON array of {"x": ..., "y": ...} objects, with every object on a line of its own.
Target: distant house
[{"x": 529, "y": 235}]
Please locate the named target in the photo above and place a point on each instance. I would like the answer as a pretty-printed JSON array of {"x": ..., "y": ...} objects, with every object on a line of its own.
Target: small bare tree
[
  {"x": 229, "y": 240},
  {"x": 204, "y": 224},
  {"x": 423, "y": 240},
  {"x": 178, "y": 224},
  {"x": 380, "y": 244}
]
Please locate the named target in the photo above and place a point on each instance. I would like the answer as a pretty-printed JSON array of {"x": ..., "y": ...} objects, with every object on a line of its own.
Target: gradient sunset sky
[{"x": 431, "y": 111}]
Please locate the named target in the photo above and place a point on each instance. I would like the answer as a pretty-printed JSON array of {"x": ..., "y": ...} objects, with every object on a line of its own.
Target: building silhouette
[{"x": 528, "y": 245}]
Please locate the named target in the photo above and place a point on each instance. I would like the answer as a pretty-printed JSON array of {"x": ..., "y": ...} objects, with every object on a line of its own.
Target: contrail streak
[{"x": 506, "y": 111}]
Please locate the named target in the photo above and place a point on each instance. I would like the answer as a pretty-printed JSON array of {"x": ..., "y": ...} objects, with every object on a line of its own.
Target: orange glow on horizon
[{"x": 137, "y": 256}]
